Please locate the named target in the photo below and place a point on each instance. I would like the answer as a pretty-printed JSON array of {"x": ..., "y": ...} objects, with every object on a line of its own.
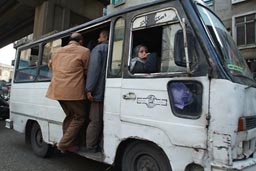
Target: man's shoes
[
  {"x": 72, "y": 149},
  {"x": 89, "y": 149}
]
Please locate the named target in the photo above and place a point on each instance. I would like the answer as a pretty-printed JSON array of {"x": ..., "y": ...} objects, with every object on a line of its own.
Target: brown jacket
[{"x": 69, "y": 66}]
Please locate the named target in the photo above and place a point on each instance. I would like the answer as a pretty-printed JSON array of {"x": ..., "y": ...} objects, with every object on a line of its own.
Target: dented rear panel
[{"x": 230, "y": 147}]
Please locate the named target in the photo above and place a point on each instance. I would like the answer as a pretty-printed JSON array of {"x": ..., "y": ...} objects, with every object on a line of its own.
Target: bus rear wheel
[
  {"x": 39, "y": 147},
  {"x": 141, "y": 156}
]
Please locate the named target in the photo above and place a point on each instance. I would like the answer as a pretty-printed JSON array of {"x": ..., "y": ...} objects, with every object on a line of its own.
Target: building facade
[
  {"x": 55, "y": 16},
  {"x": 6, "y": 72}
]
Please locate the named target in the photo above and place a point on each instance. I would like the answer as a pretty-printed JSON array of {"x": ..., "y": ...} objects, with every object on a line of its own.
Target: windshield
[{"x": 229, "y": 55}]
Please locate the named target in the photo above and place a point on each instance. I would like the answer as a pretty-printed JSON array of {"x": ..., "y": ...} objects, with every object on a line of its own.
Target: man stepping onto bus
[
  {"x": 69, "y": 66},
  {"x": 95, "y": 84}
]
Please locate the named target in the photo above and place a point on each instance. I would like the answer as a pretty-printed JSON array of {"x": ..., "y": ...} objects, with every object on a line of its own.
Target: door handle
[{"x": 129, "y": 96}]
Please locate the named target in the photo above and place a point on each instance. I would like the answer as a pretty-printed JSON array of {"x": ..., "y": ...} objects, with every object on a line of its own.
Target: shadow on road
[{"x": 16, "y": 155}]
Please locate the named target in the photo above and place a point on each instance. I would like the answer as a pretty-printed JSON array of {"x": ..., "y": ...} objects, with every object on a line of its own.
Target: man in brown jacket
[{"x": 69, "y": 68}]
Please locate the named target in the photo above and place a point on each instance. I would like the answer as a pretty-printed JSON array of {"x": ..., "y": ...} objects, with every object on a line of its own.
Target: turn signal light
[{"x": 241, "y": 124}]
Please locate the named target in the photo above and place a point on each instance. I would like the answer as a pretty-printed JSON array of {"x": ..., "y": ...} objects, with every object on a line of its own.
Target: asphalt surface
[{"x": 15, "y": 155}]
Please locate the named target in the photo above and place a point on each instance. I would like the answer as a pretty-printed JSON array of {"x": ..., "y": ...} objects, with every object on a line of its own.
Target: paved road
[{"x": 15, "y": 155}]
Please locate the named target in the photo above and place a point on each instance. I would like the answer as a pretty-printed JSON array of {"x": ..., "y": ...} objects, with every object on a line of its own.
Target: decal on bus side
[{"x": 151, "y": 101}]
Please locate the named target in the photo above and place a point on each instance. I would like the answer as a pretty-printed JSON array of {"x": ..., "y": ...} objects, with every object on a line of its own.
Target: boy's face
[{"x": 143, "y": 52}]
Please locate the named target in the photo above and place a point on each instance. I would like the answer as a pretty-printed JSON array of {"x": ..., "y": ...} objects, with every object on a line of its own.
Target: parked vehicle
[{"x": 4, "y": 108}]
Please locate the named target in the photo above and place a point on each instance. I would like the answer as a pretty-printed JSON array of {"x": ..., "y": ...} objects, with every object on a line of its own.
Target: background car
[{"x": 4, "y": 108}]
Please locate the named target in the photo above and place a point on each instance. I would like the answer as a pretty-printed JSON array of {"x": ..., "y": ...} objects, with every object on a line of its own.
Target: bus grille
[{"x": 250, "y": 122}]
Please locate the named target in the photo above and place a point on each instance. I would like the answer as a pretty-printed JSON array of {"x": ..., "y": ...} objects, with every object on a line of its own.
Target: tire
[
  {"x": 141, "y": 156},
  {"x": 39, "y": 147}
]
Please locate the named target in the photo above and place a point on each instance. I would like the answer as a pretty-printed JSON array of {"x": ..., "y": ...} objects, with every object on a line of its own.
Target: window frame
[
  {"x": 198, "y": 114},
  {"x": 127, "y": 73},
  {"x": 41, "y": 59},
  {"x": 234, "y": 30},
  {"x": 208, "y": 2},
  {"x": 120, "y": 2},
  {"x": 39, "y": 45},
  {"x": 111, "y": 48},
  {"x": 237, "y": 1}
]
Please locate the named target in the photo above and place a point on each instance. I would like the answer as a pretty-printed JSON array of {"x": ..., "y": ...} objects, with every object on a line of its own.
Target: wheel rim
[
  {"x": 146, "y": 163},
  {"x": 39, "y": 138}
]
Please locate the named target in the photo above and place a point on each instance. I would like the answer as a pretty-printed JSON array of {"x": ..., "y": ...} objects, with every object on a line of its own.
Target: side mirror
[{"x": 179, "y": 48}]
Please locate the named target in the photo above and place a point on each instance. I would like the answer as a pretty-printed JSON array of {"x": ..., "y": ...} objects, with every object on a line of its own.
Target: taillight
[
  {"x": 241, "y": 124},
  {"x": 246, "y": 123}
]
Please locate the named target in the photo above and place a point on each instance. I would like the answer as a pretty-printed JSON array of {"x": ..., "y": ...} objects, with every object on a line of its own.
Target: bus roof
[{"x": 93, "y": 22}]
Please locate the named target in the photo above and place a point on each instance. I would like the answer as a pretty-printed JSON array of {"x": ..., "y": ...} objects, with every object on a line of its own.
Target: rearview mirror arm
[{"x": 185, "y": 43}]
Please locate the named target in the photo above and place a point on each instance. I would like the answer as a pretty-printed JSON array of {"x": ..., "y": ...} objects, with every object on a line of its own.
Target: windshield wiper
[
  {"x": 250, "y": 86},
  {"x": 243, "y": 76}
]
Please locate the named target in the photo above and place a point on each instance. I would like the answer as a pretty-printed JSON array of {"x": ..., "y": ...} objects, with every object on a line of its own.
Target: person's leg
[
  {"x": 68, "y": 117},
  {"x": 82, "y": 133},
  {"x": 77, "y": 121},
  {"x": 94, "y": 128}
]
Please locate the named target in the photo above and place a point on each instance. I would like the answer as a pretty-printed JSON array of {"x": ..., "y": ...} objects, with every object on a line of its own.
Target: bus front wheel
[
  {"x": 39, "y": 147},
  {"x": 141, "y": 156}
]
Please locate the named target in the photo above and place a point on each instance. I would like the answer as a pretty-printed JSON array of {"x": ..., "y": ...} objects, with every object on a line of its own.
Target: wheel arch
[
  {"x": 39, "y": 146},
  {"x": 28, "y": 128},
  {"x": 130, "y": 142},
  {"x": 116, "y": 141},
  {"x": 43, "y": 126}
]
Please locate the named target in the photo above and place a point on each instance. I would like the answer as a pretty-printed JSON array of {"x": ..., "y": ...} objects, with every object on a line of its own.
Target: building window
[
  {"x": 245, "y": 30},
  {"x": 117, "y": 2}
]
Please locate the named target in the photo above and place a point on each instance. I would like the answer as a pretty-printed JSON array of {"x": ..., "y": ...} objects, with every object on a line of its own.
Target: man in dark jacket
[{"x": 95, "y": 85}]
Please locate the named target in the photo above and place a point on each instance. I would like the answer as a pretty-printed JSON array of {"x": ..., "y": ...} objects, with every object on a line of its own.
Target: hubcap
[
  {"x": 146, "y": 163},
  {"x": 39, "y": 139}
]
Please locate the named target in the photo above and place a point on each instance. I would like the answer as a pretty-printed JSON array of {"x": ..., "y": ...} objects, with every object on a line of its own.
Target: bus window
[
  {"x": 44, "y": 71},
  {"x": 118, "y": 39},
  {"x": 185, "y": 98},
  {"x": 167, "y": 58},
  {"x": 27, "y": 64},
  {"x": 162, "y": 27}
]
